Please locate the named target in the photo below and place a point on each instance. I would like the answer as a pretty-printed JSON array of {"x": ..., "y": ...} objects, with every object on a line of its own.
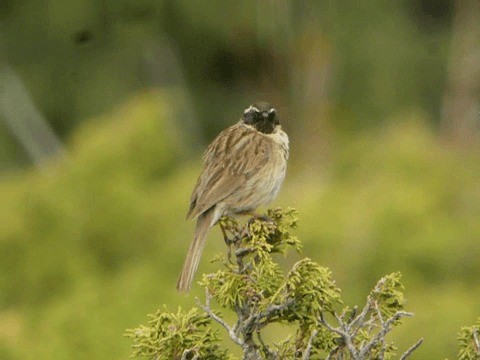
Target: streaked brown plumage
[{"x": 244, "y": 168}]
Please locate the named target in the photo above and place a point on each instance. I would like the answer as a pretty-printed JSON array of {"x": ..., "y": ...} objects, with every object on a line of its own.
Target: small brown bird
[{"x": 243, "y": 168}]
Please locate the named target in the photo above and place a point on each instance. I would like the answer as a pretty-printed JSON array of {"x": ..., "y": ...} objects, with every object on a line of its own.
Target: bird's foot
[
  {"x": 261, "y": 217},
  {"x": 229, "y": 241}
]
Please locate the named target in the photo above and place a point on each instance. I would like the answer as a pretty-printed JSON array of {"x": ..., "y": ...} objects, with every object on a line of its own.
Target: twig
[
  {"x": 236, "y": 327},
  {"x": 368, "y": 306},
  {"x": 476, "y": 342},
  {"x": 382, "y": 322},
  {"x": 208, "y": 310},
  {"x": 352, "y": 314},
  {"x": 411, "y": 349},
  {"x": 386, "y": 326},
  {"x": 248, "y": 323},
  {"x": 383, "y": 349},
  {"x": 273, "y": 308},
  {"x": 242, "y": 252},
  {"x": 333, "y": 353},
  {"x": 256, "y": 318},
  {"x": 340, "y": 322},
  {"x": 186, "y": 352},
  {"x": 360, "y": 319},
  {"x": 344, "y": 334},
  {"x": 266, "y": 348},
  {"x": 379, "y": 313},
  {"x": 308, "y": 350}
]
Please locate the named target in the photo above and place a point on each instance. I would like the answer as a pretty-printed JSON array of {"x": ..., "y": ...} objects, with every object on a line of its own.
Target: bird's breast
[{"x": 263, "y": 186}]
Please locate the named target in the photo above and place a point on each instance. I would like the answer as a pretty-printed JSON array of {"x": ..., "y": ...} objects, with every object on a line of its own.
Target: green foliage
[
  {"x": 89, "y": 247},
  {"x": 94, "y": 202},
  {"x": 73, "y": 237},
  {"x": 389, "y": 294},
  {"x": 469, "y": 342},
  {"x": 175, "y": 336},
  {"x": 252, "y": 285},
  {"x": 400, "y": 199},
  {"x": 253, "y": 274}
]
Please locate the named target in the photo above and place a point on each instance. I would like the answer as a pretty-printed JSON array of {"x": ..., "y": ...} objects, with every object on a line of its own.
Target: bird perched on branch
[{"x": 243, "y": 169}]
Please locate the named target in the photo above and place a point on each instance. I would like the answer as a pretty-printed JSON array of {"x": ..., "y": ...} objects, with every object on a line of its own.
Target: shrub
[{"x": 252, "y": 285}]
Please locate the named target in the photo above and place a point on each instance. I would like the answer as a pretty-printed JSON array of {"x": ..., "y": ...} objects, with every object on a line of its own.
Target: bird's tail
[{"x": 195, "y": 251}]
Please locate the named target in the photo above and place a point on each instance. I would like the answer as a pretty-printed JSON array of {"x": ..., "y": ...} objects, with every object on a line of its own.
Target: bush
[{"x": 252, "y": 285}]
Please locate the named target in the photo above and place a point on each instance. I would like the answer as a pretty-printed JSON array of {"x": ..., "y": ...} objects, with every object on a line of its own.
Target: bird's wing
[{"x": 231, "y": 159}]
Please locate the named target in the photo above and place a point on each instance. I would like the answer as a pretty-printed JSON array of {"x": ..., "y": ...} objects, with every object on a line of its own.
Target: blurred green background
[{"x": 107, "y": 105}]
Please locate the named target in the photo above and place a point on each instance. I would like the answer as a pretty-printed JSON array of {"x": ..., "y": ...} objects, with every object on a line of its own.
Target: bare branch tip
[{"x": 411, "y": 349}]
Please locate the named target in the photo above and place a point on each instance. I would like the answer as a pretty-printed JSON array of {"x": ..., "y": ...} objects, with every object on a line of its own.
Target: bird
[{"x": 243, "y": 168}]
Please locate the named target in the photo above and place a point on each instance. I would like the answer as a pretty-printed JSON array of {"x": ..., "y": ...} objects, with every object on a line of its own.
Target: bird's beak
[{"x": 265, "y": 114}]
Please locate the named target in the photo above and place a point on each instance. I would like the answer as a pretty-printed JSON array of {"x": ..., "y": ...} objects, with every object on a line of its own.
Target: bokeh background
[{"x": 106, "y": 107}]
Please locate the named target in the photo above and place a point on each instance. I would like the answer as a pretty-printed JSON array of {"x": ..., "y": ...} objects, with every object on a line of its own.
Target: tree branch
[
  {"x": 344, "y": 334},
  {"x": 308, "y": 350},
  {"x": 208, "y": 310},
  {"x": 411, "y": 349},
  {"x": 386, "y": 327},
  {"x": 476, "y": 342}
]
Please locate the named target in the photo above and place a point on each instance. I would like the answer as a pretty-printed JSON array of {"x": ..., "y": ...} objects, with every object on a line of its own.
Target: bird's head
[{"x": 262, "y": 116}]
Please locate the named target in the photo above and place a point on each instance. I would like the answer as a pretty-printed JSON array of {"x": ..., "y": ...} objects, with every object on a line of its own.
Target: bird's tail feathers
[{"x": 192, "y": 260}]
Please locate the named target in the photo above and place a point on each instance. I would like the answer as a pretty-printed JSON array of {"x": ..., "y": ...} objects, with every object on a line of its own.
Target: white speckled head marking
[{"x": 250, "y": 108}]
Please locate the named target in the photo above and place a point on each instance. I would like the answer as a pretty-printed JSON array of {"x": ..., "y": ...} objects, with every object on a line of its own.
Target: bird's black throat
[
  {"x": 264, "y": 126},
  {"x": 262, "y": 117}
]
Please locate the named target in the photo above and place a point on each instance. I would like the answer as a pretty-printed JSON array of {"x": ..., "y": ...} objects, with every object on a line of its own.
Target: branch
[
  {"x": 332, "y": 353},
  {"x": 273, "y": 308},
  {"x": 344, "y": 334},
  {"x": 253, "y": 320},
  {"x": 411, "y": 349},
  {"x": 348, "y": 331},
  {"x": 208, "y": 310},
  {"x": 271, "y": 354},
  {"x": 386, "y": 327},
  {"x": 308, "y": 350},
  {"x": 352, "y": 314},
  {"x": 360, "y": 319},
  {"x": 476, "y": 342}
]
